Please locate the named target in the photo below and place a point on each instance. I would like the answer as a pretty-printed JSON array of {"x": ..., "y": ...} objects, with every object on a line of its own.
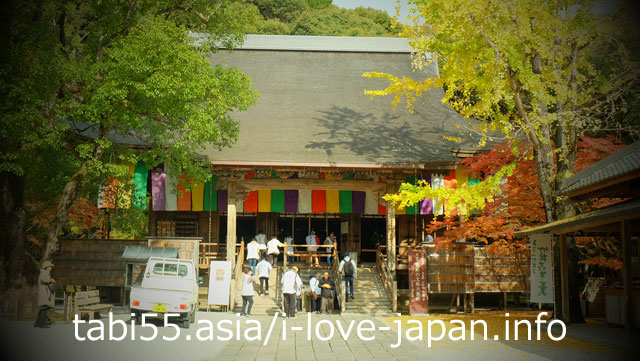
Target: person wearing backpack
[{"x": 349, "y": 270}]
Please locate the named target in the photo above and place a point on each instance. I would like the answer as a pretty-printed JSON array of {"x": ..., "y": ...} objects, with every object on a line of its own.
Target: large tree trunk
[
  {"x": 558, "y": 207},
  {"x": 69, "y": 196},
  {"x": 12, "y": 231}
]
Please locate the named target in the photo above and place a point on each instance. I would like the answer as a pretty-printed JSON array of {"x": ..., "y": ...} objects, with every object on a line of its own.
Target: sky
[{"x": 387, "y": 5}]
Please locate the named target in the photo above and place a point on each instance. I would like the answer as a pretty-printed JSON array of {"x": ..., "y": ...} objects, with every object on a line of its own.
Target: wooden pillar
[
  {"x": 564, "y": 279},
  {"x": 473, "y": 302},
  {"x": 627, "y": 278},
  {"x": 391, "y": 237},
  {"x": 231, "y": 224}
]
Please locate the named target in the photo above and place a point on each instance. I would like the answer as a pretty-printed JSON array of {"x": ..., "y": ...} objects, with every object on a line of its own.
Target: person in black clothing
[{"x": 327, "y": 287}]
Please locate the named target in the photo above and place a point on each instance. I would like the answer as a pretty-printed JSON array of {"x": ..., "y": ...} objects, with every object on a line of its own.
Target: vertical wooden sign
[{"x": 418, "y": 296}]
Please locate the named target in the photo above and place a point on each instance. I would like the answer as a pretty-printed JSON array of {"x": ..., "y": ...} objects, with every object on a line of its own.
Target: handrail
[
  {"x": 237, "y": 277},
  {"x": 390, "y": 285}
]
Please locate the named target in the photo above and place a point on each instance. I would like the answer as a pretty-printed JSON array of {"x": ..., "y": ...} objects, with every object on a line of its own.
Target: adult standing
[
  {"x": 327, "y": 286},
  {"x": 263, "y": 270},
  {"x": 261, "y": 238},
  {"x": 316, "y": 298},
  {"x": 247, "y": 291},
  {"x": 348, "y": 268},
  {"x": 330, "y": 241},
  {"x": 253, "y": 251},
  {"x": 312, "y": 240},
  {"x": 273, "y": 251},
  {"x": 46, "y": 296},
  {"x": 291, "y": 284}
]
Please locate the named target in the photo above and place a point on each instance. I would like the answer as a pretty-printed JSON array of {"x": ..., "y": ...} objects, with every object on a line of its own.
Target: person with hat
[
  {"x": 46, "y": 295},
  {"x": 291, "y": 286}
]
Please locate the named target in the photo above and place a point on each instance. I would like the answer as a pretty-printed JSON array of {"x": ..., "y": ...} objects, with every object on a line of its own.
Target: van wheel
[
  {"x": 186, "y": 323},
  {"x": 192, "y": 316},
  {"x": 138, "y": 318}
]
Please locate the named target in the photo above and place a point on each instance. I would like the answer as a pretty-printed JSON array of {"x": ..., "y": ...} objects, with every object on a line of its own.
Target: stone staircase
[
  {"x": 263, "y": 305},
  {"x": 370, "y": 297}
]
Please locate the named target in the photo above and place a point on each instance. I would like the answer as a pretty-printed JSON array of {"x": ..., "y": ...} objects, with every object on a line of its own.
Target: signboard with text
[
  {"x": 219, "y": 282},
  {"x": 541, "y": 268},
  {"x": 418, "y": 296}
]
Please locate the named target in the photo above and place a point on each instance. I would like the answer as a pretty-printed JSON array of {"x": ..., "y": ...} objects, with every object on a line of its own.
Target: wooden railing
[
  {"x": 309, "y": 254},
  {"x": 390, "y": 284},
  {"x": 236, "y": 281},
  {"x": 213, "y": 251}
]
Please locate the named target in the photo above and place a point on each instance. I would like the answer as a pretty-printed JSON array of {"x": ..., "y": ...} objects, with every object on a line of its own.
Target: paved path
[{"x": 20, "y": 341}]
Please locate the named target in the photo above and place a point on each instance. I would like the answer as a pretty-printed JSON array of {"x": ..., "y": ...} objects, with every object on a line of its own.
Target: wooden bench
[{"x": 89, "y": 302}]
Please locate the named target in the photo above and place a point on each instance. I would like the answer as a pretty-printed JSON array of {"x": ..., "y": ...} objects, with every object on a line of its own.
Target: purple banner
[
  {"x": 222, "y": 200},
  {"x": 157, "y": 189},
  {"x": 358, "y": 201},
  {"x": 426, "y": 206},
  {"x": 291, "y": 201}
]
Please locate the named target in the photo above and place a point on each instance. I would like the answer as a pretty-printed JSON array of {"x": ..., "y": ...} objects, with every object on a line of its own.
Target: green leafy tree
[
  {"x": 94, "y": 77},
  {"x": 522, "y": 68},
  {"x": 526, "y": 69},
  {"x": 335, "y": 21}
]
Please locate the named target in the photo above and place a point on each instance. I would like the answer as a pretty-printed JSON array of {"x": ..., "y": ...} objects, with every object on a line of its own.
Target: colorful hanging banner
[
  {"x": 318, "y": 201},
  {"x": 358, "y": 202},
  {"x": 264, "y": 200},
  {"x": 370, "y": 203},
  {"x": 184, "y": 196},
  {"x": 210, "y": 202},
  {"x": 414, "y": 208},
  {"x": 437, "y": 181},
  {"x": 346, "y": 202},
  {"x": 277, "y": 200},
  {"x": 382, "y": 208},
  {"x": 450, "y": 179},
  {"x": 291, "y": 201},
  {"x": 140, "y": 177},
  {"x": 170, "y": 188},
  {"x": 125, "y": 188},
  {"x": 251, "y": 203},
  {"x": 304, "y": 201},
  {"x": 157, "y": 189},
  {"x": 426, "y": 206},
  {"x": 333, "y": 200},
  {"x": 223, "y": 197},
  {"x": 197, "y": 198}
]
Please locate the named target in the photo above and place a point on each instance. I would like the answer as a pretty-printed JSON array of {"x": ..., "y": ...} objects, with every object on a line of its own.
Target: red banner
[{"x": 418, "y": 296}]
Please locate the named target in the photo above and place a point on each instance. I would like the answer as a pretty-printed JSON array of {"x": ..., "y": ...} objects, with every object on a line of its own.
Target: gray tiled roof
[
  {"x": 312, "y": 107},
  {"x": 620, "y": 163},
  {"x": 625, "y": 210}
]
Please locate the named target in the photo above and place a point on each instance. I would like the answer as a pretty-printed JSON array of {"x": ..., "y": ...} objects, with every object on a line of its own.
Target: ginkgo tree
[{"x": 524, "y": 68}]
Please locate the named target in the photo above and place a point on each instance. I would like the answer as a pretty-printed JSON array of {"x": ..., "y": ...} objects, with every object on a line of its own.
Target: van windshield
[{"x": 170, "y": 269}]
